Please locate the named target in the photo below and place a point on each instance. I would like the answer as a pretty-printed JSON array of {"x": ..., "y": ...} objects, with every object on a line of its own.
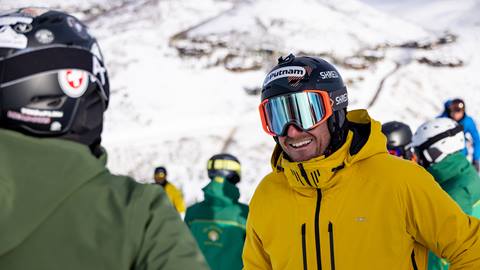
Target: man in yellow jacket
[
  {"x": 174, "y": 194},
  {"x": 335, "y": 198}
]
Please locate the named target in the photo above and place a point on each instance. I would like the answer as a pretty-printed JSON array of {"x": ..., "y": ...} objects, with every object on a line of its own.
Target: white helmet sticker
[
  {"x": 55, "y": 126},
  {"x": 11, "y": 39},
  {"x": 293, "y": 71},
  {"x": 73, "y": 82},
  {"x": 12, "y": 20},
  {"x": 44, "y": 36}
]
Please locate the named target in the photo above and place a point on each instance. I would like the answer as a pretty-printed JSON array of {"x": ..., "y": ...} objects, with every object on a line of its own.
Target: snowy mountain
[{"x": 184, "y": 73}]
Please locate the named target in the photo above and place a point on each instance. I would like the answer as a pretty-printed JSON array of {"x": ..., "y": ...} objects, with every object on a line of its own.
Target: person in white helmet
[{"x": 438, "y": 146}]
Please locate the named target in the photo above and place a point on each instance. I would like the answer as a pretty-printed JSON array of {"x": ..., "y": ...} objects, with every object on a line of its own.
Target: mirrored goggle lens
[{"x": 305, "y": 109}]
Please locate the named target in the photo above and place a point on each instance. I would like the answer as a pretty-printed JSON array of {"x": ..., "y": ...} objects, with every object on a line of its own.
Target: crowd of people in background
[
  {"x": 345, "y": 192},
  {"x": 438, "y": 145}
]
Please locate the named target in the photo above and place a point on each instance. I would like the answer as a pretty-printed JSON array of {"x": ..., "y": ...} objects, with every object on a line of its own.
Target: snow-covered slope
[
  {"x": 177, "y": 108},
  {"x": 340, "y": 28}
]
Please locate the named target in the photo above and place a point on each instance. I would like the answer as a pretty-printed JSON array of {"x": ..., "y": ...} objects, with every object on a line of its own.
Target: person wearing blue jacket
[{"x": 455, "y": 109}]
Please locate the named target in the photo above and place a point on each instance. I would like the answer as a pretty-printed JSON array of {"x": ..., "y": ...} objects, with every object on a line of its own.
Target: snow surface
[{"x": 177, "y": 111}]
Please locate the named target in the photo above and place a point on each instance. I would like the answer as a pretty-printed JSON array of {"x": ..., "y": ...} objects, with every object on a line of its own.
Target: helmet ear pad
[
  {"x": 87, "y": 124},
  {"x": 233, "y": 178}
]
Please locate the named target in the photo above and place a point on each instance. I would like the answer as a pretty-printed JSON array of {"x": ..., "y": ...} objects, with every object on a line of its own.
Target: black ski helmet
[
  {"x": 161, "y": 172},
  {"x": 53, "y": 82},
  {"x": 455, "y": 105},
  {"x": 399, "y": 137},
  {"x": 295, "y": 74},
  {"x": 226, "y": 166}
]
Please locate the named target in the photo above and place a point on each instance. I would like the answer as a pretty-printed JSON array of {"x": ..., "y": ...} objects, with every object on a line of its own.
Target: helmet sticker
[
  {"x": 73, "y": 23},
  {"x": 95, "y": 49},
  {"x": 73, "y": 82},
  {"x": 339, "y": 99},
  {"x": 11, "y": 39},
  {"x": 12, "y": 20},
  {"x": 22, "y": 28},
  {"x": 44, "y": 36},
  {"x": 41, "y": 113},
  {"x": 331, "y": 74},
  {"x": 97, "y": 68},
  {"x": 292, "y": 71},
  {"x": 55, "y": 126},
  {"x": 27, "y": 118}
]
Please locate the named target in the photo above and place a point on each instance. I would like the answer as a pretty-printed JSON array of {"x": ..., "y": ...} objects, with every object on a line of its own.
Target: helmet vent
[
  {"x": 55, "y": 102},
  {"x": 47, "y": 102}
]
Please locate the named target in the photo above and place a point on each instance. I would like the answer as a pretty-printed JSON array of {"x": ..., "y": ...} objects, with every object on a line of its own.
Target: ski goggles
[
  {"x": 306, "y": 109},
  {"x": 396, "y": 152}
]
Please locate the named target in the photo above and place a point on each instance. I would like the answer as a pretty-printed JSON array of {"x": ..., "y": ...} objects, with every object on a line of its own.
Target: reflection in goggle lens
[{"x": 304, "y": 109}]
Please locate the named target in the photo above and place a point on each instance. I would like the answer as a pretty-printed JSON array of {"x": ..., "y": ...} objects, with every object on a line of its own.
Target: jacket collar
[
  {"x": 317, "y": 172},
  {"x": 454, "y": 165},
  {"x": 220, "y": 192}
]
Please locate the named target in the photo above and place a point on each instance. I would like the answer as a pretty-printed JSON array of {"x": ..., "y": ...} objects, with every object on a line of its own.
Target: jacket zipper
[
  {"x": 332, "y": 254},
  {"x": 414, "y": 263},
  {"x": 304, "y": 248},
  {"x": 317, "y": 217},
  {"x": 317, "y": 229}
]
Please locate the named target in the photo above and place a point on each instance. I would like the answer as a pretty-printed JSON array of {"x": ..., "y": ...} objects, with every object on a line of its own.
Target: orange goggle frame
[{"x": 306, "y": 109}]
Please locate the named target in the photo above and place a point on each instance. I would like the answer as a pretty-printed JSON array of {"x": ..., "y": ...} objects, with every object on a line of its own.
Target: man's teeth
[{"x": 300, "y": 144}]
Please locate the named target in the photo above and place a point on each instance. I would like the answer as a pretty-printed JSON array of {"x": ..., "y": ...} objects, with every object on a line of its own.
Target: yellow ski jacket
[
  {"x": 176, "y": 197},
  {"x": 359, "y": 208}
]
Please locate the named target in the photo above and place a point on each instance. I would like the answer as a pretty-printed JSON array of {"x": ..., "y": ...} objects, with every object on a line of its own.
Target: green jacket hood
[
  {"x": 458, "y": 178},
  {"x": 30, "y": 166},
  {"x": 220, "y": 192},
  {"x": 365, "y": 139}
]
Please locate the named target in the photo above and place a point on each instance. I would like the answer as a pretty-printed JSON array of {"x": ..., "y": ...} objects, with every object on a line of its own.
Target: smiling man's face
[{"x": 304, "y": 145}]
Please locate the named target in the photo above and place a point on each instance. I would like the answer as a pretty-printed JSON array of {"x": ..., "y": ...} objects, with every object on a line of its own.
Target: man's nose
[{"x": 293, "y": 131}]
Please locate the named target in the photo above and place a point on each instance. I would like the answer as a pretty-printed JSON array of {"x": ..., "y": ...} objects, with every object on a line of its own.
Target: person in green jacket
[
  {"x": 60, "y": 208},
  {"x": 218, "y": 222},
  {"x": 438, "y": 145}
]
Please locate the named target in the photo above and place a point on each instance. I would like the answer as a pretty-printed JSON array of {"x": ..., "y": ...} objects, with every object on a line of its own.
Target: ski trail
[
  {"x": 382, "y": 82},
  {"x": 183, "y": 34},
  {"x": 113, "y": 10}
]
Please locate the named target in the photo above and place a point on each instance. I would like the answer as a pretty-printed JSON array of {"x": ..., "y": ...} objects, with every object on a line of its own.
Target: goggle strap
[
  {"x": 339, "y": 99},
  {"x": 23, "y": 65},
  {"x": 449, "y": 133}
]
